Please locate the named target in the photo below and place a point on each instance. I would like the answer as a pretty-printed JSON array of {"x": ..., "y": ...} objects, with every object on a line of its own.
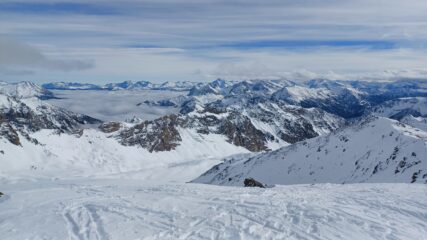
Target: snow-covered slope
[
  {"x": 373, "y": 150},
  {"x": 411, "y": 111},
  {"x": 92, "y": 152},
  {"x": 33, "y": 114},
  {"x": 22, "y": 90},
  {"x": 402, "y": 107},
  {"x": 124, "y": 210}
]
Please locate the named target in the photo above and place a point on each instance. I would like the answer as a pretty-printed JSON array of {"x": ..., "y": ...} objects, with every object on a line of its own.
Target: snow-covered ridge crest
[
  {"x": 23, "y": 90},
  {"x": 374, "y": 150}
]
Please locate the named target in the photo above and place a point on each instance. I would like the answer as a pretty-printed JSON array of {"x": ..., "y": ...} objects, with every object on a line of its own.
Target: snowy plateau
[{"x": 138, "y": 160}]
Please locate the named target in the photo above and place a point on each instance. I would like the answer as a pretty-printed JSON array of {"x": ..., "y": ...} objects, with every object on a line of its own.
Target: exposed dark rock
[
  {"x": 1, "y": 194},
  {"x": 8, "y": 132},
  {"x": 250, "y": 182},
  {"x": 110, "y": 127},
  {"x": 241, "y": 132},
  {"x": 157, "y": 135},
  {"x": 43, "y": 117},
  {"x": 415, "y": 176}
]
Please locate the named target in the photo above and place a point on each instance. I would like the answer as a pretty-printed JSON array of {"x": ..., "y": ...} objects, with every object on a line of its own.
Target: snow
[
  {"x": 94, "y": 153},
  {"x": 300, "y": 93},
  {"x": 89, "y": 186},
  {"x": 129, "y": 209},
  {"x": 23, "y": 90},
  {"x": 394, "y": 107},
  {"x": 376, "y": 150}
]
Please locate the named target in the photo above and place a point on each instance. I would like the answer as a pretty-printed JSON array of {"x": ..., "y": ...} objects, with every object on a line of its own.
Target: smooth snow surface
[
  {"x": 129, "y": 209},
  {"x": 95, "y": 154}
]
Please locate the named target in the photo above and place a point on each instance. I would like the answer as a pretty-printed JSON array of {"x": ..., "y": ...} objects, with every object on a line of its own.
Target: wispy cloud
[
  {"x": 280, "y": 34},
  {"x": 55, "y": 8}
]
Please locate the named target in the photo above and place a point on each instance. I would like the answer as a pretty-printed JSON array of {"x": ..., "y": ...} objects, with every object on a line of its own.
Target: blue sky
[{"x": 169, "y": 40}]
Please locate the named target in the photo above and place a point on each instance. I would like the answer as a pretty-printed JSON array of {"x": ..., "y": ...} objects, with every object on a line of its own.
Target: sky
[{"x": 101, "y": 41}]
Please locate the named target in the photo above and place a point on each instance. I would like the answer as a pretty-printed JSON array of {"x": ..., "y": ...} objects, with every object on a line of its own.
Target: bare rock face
[
  {"x": 241, "y": 132},
  {"x": 1, "y": 194},
  {"x": 250, "y": 182},
  {"x": 299, "y": 131},
  {"x": 157, "y": 135},
  {"x": 8, "y": 132},
  {"x": 42, "y": 116},
  {"x": 110, "y": 127},
  {"x": 31, "y": 115}
]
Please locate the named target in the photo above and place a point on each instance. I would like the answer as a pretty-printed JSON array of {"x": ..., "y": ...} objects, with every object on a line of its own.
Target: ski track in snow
[{"x": 129, "y": 209}]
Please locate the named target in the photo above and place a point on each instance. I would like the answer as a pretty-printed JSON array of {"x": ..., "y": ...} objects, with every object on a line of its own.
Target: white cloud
[
  {"x": 17, "y": 58},
  {"x": 171, "y": 40}
]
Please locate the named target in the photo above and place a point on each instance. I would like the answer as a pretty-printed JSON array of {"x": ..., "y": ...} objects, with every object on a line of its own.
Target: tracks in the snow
[
  {"x": 84, "y": 223},
  {"x": 131, "y": 210}
]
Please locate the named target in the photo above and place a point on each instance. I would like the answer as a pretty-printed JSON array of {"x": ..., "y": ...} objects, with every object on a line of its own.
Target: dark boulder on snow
[
  {"x": 1, "y": 194},
  {"x": 250, "y": 182}
]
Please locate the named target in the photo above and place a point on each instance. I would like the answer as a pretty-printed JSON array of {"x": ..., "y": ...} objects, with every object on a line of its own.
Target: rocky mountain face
[
  {"x": 158, "y": 135},
  {"x": 375, "y": 149},
  {"x": 259, "y": 115},
  {"x": 256, "y": 127},
  {"x": 31, "y": 115}
]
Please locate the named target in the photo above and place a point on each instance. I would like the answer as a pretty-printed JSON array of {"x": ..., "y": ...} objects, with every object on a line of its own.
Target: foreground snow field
[{"x": 132, "y": 209}]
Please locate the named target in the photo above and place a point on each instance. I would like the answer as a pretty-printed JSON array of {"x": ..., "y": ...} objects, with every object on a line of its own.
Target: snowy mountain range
[
  {"x": 126, "y": 85},
  {"x": 293, "y": 120},
  {"x": 88, "y": 179}
]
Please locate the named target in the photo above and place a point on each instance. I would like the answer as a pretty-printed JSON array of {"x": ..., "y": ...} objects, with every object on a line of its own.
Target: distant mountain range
[{"x": 126, "y": 85}]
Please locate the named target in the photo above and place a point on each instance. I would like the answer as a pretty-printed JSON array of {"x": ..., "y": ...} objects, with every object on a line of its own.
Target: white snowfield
[
  {"x": 128, "y": 209},
  {"x": 95, "y": 154}
]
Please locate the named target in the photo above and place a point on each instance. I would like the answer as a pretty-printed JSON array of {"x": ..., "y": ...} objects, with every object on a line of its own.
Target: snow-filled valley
[{"x": 338, "y": 160}]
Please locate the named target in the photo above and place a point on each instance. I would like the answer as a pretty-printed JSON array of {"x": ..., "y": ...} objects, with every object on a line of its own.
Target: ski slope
[{"x": 129, "y": 209}]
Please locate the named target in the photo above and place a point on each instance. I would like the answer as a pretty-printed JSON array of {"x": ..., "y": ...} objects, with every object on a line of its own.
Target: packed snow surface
[{"x": 129, "y": 209}]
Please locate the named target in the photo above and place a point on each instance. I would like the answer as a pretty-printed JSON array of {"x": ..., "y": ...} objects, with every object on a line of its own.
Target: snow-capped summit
[
  {"x": 216, "y": 87},
  {"x": 374, "y": 150},
  {"x": 25, "y": 89}
]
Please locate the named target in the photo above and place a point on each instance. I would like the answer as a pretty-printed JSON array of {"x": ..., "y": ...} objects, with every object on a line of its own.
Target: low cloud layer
[{"x": 115, "y": 105}]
